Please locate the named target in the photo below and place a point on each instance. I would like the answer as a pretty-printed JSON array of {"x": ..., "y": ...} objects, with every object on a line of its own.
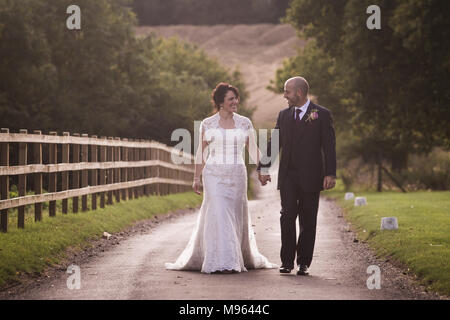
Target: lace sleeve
[
  {"x": 253, "y": 149},
  {"x": 200, "y": 155}
]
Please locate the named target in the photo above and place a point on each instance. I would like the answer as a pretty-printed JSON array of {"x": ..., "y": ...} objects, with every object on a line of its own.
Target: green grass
[
  {"x": 44, "y": 243},
  {"x": 422, "y": 241}
]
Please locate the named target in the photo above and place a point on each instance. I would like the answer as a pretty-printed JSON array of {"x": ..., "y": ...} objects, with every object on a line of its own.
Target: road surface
[{"x": 134, "y": 268}]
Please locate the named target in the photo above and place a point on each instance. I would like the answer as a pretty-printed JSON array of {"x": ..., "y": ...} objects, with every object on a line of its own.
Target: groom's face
[{"x": 292, "y": 96}]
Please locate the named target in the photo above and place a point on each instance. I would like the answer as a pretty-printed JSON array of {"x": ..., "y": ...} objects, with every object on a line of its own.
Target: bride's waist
[
  {"x": 220, "y": 169},
  {"x": 225, "y": 159}
]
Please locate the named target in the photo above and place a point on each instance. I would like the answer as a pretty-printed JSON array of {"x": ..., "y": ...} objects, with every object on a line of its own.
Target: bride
[{"x": 223, "y": 240}]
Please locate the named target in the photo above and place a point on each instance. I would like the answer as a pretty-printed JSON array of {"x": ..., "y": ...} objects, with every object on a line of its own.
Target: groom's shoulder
[
  {"x": 320, "y": 108},
  {"x": 285, "y": 110}
]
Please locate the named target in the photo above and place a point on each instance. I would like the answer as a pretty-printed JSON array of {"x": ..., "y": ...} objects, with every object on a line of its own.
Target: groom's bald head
[
  {"x": 299, "y": 83},
  {"x": 296, "y": 91}
]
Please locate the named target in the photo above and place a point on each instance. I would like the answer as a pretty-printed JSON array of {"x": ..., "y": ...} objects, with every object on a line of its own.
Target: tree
[
  {"x": 377, "y": 82},
  {"x": 101, "y": 79},
  {"x": 209, "y": 12}
]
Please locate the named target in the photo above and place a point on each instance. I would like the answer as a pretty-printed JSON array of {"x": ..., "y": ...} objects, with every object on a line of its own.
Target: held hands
[
  {"x": 263, "y": 178},
  {"x": 197, "y": 186},
  {"x": 329, "y": 182}
]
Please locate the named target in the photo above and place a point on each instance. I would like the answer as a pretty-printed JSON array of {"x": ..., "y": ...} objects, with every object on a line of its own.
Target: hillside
[{"x": 258, "y": 50}]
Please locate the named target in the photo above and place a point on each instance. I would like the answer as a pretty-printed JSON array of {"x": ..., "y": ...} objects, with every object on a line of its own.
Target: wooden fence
[{"x": 105, "y": 168}]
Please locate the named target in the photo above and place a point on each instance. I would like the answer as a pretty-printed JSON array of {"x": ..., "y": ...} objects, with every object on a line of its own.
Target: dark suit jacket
[{"x": 318, "y": 145}]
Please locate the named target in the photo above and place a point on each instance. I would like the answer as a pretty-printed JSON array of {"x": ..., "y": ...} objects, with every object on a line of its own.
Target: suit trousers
[{"x": 295, "y": 202}]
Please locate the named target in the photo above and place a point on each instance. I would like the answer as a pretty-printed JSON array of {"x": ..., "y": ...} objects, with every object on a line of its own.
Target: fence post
[
  {"x": 117, "y": 170},
  {"x": 110, "y": 177},
  {"x": 147, "y": 170},
  {"x": 4, "y": 182},
  {"x": 130, "y": 171},
  {"x": 22, "y": 180},
  {"x": 124, "y": 175},
  {"x": 154, "y": 171},
  {"x": 161, "y": 171},
  {"x": 137, "y": 171},
  {"x": 65, "y": 174},
  {"x": 94, "y": 174},
  {"x": 151, "y": 171},
  {"x": 177, "y": 176},
  {"x": 102, "y": 173},
  {"x": 166, "y": 174},
  {"x": 192, "y": 175},
  {"x": 183, "y": 177},
  {"x": 52, "y": 182},
  {"x": 141, "y": 170},
  {"x": 138, "y": 156},
  {"x": 76, "y": 173},
  {"x": 191, "y": 178},
  {"x": 158, "y": 173},
  {"x": 170, "y": 174},
  {"x": 84, "y": 173},
  {"x": 37, "y": 155},
  {"x": 186, "y": 177}
]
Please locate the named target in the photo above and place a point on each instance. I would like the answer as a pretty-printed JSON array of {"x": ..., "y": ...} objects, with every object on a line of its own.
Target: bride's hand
[
  {"x": 263, "y": 178},
  {"x": 197, "y": 186}
]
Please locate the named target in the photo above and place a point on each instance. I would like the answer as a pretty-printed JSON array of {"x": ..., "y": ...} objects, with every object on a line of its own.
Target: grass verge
[
  {"x": 422, "y": 242},
  {"x": 43, "y": 243}
]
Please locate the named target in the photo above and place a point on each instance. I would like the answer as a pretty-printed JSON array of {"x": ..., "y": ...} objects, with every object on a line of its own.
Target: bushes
[
  {"x": 423, "y": 172},
  {"x": 428, "y": 172}
]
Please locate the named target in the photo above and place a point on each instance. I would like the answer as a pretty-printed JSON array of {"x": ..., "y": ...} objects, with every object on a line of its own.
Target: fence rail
[{"x": 106, "y": 168}]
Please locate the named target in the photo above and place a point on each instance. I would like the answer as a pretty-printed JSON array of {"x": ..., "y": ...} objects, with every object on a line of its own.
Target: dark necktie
[{"x": 297, "y": 115}]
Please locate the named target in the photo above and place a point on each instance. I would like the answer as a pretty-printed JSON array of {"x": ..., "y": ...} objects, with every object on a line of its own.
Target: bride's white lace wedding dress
[{"x": 223, "y": 238}]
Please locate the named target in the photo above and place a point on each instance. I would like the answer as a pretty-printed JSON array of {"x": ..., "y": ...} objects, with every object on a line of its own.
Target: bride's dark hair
[{"x": 219, "y": 92}]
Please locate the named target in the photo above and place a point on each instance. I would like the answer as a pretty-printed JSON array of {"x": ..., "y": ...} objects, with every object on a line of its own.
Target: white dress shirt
[{"x": 303, "y": 109}]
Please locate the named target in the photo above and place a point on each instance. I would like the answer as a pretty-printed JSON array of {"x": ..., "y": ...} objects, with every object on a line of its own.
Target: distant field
[
  {"x": 422, "y": 242},
  {"x": 257, "y": 49}
]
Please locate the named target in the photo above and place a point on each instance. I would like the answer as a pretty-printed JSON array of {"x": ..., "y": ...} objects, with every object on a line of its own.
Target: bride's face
[{"x": 230, "y": 102}]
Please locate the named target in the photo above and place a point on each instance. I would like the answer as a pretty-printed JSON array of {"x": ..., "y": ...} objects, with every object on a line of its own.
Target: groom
[{"x": 307, "y": 166}]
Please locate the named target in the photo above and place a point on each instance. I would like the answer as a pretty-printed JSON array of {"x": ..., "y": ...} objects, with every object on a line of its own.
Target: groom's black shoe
[
  {"x": 302, "y": 270},
  {"x": 285, "y": 270}
]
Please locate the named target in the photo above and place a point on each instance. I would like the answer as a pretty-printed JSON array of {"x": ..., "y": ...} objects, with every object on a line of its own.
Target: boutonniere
[{"x": 313, "y": 115}]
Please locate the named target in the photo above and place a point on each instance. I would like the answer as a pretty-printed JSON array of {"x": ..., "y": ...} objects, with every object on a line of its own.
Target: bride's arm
[
  {"x": 199, "y": 161},
  {"x": 255, "y": 154},
  {"x": 252, "y": 147}
]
